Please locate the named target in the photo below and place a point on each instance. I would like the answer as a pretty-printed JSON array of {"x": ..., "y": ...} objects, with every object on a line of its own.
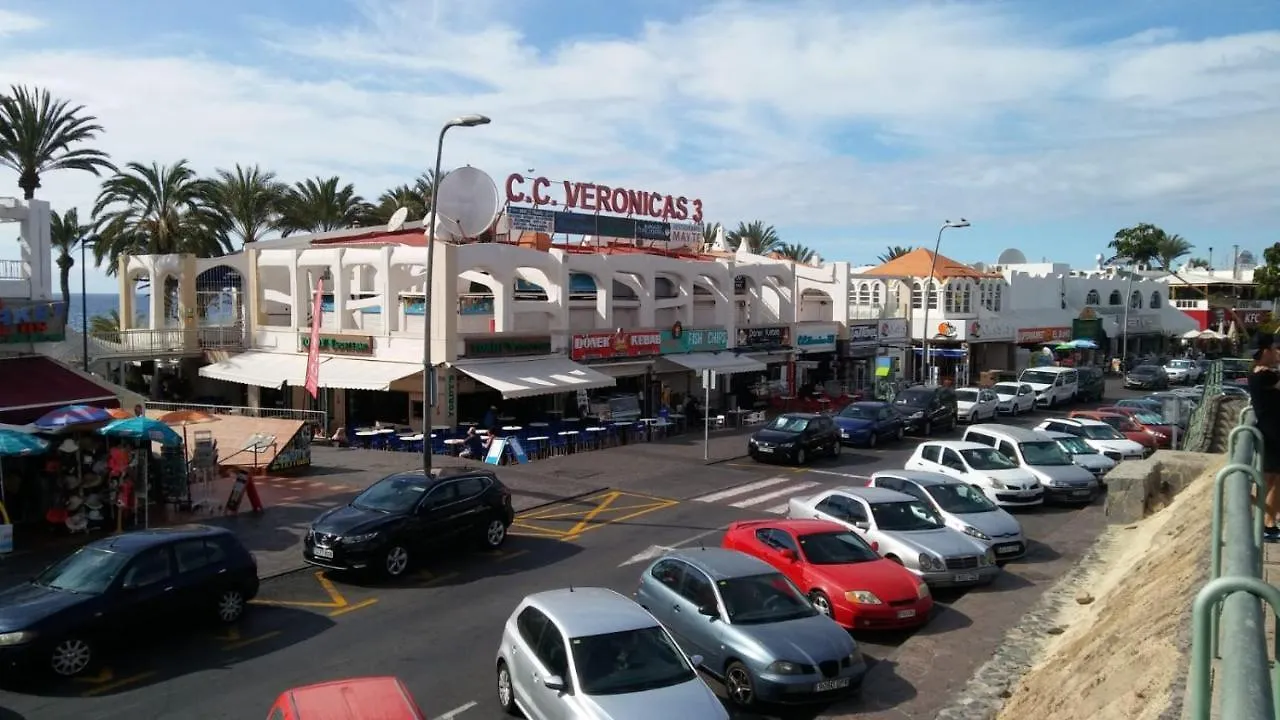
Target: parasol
[
  {"x": 142, "y": 428},
  {"x": 71, "y": 415},
  {"x": 183, "y": 418},
  {"x": 119, "y": 413},
  {"x": 16, "y": 444},
  {"x": 1191, "y": 335}
]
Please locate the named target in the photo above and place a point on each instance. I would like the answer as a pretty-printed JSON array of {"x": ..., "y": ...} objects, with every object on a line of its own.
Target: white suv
[
  {"x": 1053, "y": 385},
  {"x": 1182, "y": 372},
  {"x": 1106, "y": 439},
  {"x": 999, "y": 478},
  {"x": 976, "y": 404}
]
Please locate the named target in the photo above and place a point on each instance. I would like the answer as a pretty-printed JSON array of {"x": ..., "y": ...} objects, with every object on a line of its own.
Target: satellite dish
[
  {"x": 446, "y": 230},
  {"x": 396, "y": 223},
  {"x": 1012, "y": 256},
  {"x": 467, "y": 199},
  {"x": 980, "y": 267},
  {"x": 1246, "y": 259}
]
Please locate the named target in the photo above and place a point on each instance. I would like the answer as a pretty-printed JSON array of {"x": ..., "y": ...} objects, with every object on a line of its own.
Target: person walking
[{"x": 1264, "y": 394}]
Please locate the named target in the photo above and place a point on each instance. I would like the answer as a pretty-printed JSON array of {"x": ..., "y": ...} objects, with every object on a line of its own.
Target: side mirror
[
  {"x": 554, "y": 682},
  {"x": 696, "y": 660},
  {"x": 788, "y": 555},
  {"x": 862, "y": 524},
  {"x": 875, "y": 545},
  {"x": 709, "y": 610}
]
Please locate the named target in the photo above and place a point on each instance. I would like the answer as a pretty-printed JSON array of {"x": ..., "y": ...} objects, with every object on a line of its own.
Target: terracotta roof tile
[{"x": 916, "y": 264}]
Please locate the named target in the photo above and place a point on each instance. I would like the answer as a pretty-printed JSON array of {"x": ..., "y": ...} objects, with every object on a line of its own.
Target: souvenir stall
[
  {"x": 13, "y": 444},
  {"x": 137, "y": 475},
  {"x": 76, "y": 478}
]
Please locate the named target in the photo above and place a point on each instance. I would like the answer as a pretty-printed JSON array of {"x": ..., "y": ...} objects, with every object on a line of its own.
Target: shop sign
[
  {"x": 339, "y": 344},
  {"x": 990, "y": 330},
  {"x": 295, "y": 455},
  {"x": 740, "y": 285},
  {"x": 492, "y": 347},
  {"x": 620, "y": 344},
  {"x": 773, "y": 337},
  {"x": 1252, "y": 318},
  {"x": 1044, "y": 335},
  {"x": 680, "y": 339},
  {"x": 593, "y": 198},
  {"x": 893, "y": 329},
  {"x": 1143, "y": 324},
  {"x": 816, "y": 339},
  {"x": 946, "y": 330},
  {"x": 475, "y": 305},
  {"x": 31, "y": 321},
  {"x": 864, "y": 334}
]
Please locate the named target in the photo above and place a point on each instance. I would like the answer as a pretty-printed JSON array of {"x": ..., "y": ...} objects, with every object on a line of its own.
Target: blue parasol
[
  {"x": 143, "y": 428},
  {"x": 16, "y": 444},
  {"x": 1084, "y": 344},
  {"x": 71, "y": 415}
]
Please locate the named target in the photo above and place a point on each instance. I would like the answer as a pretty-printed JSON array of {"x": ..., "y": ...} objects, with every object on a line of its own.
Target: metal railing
[
  {"x": 1198, "y": 430},
  {"x": 12, "y": 270},
  {"x": 318, "y": 418},
  {"x": 1229, "y": 607},
  {"x": 146, "y": 341}
]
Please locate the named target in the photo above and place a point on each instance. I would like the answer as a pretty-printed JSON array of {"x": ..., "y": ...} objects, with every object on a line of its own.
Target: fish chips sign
[{"x": 31, "y": 321}]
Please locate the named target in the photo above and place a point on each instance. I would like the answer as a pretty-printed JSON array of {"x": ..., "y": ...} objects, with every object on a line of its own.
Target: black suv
[
  {"x": 1092, "y": 384},
  {"x": 926, "y": 408},
  {"x": 400, "y": 516},
  {"x": 795, "y": 437}
]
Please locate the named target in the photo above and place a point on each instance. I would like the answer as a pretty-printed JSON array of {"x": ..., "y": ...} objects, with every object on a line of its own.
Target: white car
[
  {"x": 1182, "y": 372},
  {"x": 1001, "y": 480},
  {"x": 962, "y": 506},
  {"x": 976, "y": 404},
  {"x": 1106, "y": 439},
  {"x": 1015, "y": 398},
  {"x": 1054, "y": 385},
  {"x": 1083, "y": 454}
]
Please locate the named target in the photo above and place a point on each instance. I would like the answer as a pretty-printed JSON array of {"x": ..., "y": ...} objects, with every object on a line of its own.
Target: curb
[{"x": 724, "y": 460}]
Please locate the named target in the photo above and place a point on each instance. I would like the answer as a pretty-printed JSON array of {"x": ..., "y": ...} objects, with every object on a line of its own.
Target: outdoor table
[
  {"x": 537, "y": 446},
  {"x": 454, "y": 444},
  {"x": 571, "y": 438},
  {"x": 511, "y": 428},
  {"x": 412, "y": 438},
  {"x": 593, "y": 436},
  {"x": 538, "y": 425},
  {"x": 366, "y": 433}
]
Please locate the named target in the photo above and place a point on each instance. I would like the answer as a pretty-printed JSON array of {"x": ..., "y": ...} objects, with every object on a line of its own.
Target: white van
[
  {"x": 1053, "y": 385},
  {"x": 1063, "y": 480}
]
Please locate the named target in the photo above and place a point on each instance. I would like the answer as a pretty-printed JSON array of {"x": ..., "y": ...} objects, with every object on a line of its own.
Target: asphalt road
[{"x": 439, "y": 630}]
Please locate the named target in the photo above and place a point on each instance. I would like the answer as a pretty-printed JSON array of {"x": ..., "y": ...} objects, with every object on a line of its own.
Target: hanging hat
[
  {"x": 71, "y": 482},
  {"x": 68, "y": 446},
  {"x": 95, "y": 515},
  {"x": 1262, "y": 341},
  {"x": 91, "y": 481},
  {"x": 77, "y": 522},
  {"x": 56, "y": 515},
  {"x": 93, "y": 501},
  {"x": 74, "y": 502}
]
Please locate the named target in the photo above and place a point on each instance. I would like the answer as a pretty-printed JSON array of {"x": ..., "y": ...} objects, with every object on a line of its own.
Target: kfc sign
[
  {"x": 620, "y": 344},
  {"x": 1252, "y": 318}
]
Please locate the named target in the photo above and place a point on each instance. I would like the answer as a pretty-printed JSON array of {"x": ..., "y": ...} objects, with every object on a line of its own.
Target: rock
[
  {"x": 1131, "y": 527},
  {"x": 1084, "y": 598},
  {"x": 1056, "y": 630}
]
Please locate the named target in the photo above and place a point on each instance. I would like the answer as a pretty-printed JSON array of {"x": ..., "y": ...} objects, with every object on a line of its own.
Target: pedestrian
[{"x": 1265, "y": 397}]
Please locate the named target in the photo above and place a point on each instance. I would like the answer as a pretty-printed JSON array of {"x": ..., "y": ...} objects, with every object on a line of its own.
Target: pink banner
[{"x": 313, "y": 348}]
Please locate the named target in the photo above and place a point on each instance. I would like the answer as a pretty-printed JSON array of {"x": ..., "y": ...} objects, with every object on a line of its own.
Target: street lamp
[
  {"x": 84, "y": 302},
  {"x": 929, "y": 296},
  {"x": 428, "y": 371}
]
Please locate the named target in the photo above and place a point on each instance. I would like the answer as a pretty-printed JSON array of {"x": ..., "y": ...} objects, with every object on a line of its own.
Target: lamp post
[
  {"x": 428, "y": 371},
  {"x": 84, "y": 302},
  {"x": 1128, "y": 302},
  {"x": 928, "y": 296}
]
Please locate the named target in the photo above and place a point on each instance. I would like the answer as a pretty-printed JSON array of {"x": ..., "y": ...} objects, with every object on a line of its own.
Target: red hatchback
[
  {"x": 844, "y": 577},
  {"x": 1148, "y": 421},
  {"x": 368, "y": 698},
  {"x": 1123, "y": 424}
]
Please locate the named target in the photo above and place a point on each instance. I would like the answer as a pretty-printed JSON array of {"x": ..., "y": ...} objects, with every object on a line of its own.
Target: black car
[
  {"x": 111, "y": 591},
  {"x": 926, "y": 408},
  {"x": 1092, "y": 384},
  {"x": 1147, "y": 377},
  {"x": 400, "y": 516},
  {"x": 795, "y": 437}
]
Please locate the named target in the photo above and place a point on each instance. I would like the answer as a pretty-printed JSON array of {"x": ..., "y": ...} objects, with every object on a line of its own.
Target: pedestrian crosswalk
[{"x": 769, "y": 495}]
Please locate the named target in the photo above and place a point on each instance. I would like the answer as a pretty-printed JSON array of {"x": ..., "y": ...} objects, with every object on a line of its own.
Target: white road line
[
  {"x": 743, "y": 489},
  {"x": 762, "y": 499},
  {"x": 458, "y": 711},
  {"x": 837, "y": 474},
  {"x": 778, "y": 509}
]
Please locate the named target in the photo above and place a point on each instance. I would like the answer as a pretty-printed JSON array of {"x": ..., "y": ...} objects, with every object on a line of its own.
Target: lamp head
[
  {"x": 961, "y": 223},
  {"x": 469, "y": 121}
]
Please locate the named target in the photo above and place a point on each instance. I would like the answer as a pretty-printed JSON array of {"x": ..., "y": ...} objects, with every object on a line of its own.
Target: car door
[
  {"x": 528, "y": 671},
  {"x": 146, "y": 598},
  {"x": 953, "y": 465},
  {"x": 472, "y": 513},
  {"x": 700, "y": 630},
  {"x": 439, "y": 516},
  {"x": 659, "y": 593},
  {"x": 860, "y": 519},
  {"x": 768, "y": 544},
  {"x": 926, "y": 458},
  {"x": 990, "y": 402},
  {"x": 196, "y": 576},
  {"x": 885, "y": 424}
]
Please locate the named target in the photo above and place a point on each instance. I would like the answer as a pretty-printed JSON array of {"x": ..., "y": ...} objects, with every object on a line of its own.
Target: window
[
  {"x": 788, "y": 424},
  {"x": 471, "y": 487},
  {"x": 951, "y": 459},
  {"x": 697, "y": 588},
  {"x": 89, "y": 570},
  {"x": 839, "y": 506},
  {"x": 530, "y": 623},
  {"x": 914, "y": 491},
  {"x": 442, "y": 494},
  {"x": 935, "y": 294},
  {"x": 905, "y": 516},
  {"x": 151, "y": 567},
  {"x": 966, "y": 301},
  {"x": 393, "y": 494},
  {"x": 1114, "y": 299},
  {"x": 997, "y": 302},
  {"x": 917, "y": 295},
  {"x": 1006, "y": 448},
  {"x": 191, "y": 555},
  {"x": 670, "y": 573},
  {"x": 552, "y": 652},
  {"x": 630, "y": 661},
  {"x": 1092, "y": 298},
  {"x": 952, "y": 306},
  {"x": 779, "y": 539},
  {"x": 876, "y": 295},
  {"x": 764, "y": 598},
  {"x": 931, "y": 453},
  {"x": 987, "y": 459},
  {"x": 981, "y": 438},
  {"x": 1135, "y": 301},
  {"x": 864, "y": 294},
  {"x": 1155, "y": 299},
  {"x": 889, "y": 483},
  {"x": 960, "y": 499},
  {"x": 1044, "y": 452},
  {"x": 836, "y": 548}
]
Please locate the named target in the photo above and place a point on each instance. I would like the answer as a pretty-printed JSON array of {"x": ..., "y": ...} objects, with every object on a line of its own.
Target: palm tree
[
  {"x": 65, "y": 234},
  {"x": 37, "y": 133},
  {"x": 761, "y": 239},
  {"x": 106, "y": 327},
  {"x": 321, "y": 205},
  {"x": 156, "y": 210},
  {"x": 709, "y": 231},
  {"x": 893, "y": 252},
  {"x": 246, "y": 200},
  {"x": 1200, "y": 263},
  {"x": 401, "y": 196},
  {"x": 1171, "y": 247},
  {"x": 799, "y": 253}
]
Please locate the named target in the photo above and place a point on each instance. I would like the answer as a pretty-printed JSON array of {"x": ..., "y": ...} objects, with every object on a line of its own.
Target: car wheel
[
  {"x": 230, "y": 606},
  {"x": 495, "y": 533},
  {"x": 395, "y": 561},
  {"x": 874, "y": 440},
  {"x": 820, "y": 602},
  {"x": 506, "y": 691},
  {"x": 894, "y": 558},
  {"x": 835, "y": 450},
  {"x": 739, "y": 686},
  {"x": 902, "y": 432},
  {"x": 926, "y": 429},
  {"x": 70, "y": 656},
  {"x": 801, "y": 456}
]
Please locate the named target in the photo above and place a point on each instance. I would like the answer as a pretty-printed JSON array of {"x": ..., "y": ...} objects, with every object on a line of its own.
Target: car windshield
[
  {"x": 987, "y": 459},
  {"x": 1145, "y": 370},
  {"x": 1120, "y": 422},
  {"x": 630, "y": 661},
  {"x": 1005, "y": 389},
  {"x": 763, "y": 598},
  {"x": 1044, "y": 452},
  {"x": 914, "y": 398},
  {"x": 1039, "y": 377},
  {"x": 1076, "y": 446},
  {"x": 395, "y": 494},
  {"x": 1180, "y": 363},
  {"x": 960, "y": 499},
  {"x": 787, "y": 424},
  {"x": 860, "y": 411},
  {"x": 88, "y": 570},
  {"x": 836, "y": 548},
  {"x": 1149, "y": 419},
  {"x": 904, "y": 516},
  {"x": 967, "y": 395}
]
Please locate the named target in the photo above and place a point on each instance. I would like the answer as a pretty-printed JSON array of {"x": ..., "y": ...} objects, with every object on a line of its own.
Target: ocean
[{"x": 219, "y": 308}]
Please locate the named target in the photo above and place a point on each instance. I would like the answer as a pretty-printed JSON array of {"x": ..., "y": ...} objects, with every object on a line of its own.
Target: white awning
[
  {"x": 545, "y": 375},
  {"x": 622, "y": 369},
  {"x": 264, "y": 369},
  {"x": 721, "y": 362},
  {"x": 348, "y": 373}
]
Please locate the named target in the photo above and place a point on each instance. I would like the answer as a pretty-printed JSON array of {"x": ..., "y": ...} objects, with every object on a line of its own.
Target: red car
[
  {"x": 1149, "y": 422},
  {"x": 1124, "y": 424},
  {"x": 844, "y": 577},
  {"x": 368, "y": 698}
]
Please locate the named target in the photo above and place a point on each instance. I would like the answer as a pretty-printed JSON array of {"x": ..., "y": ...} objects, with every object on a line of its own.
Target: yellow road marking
[
  {"x": 576, "y": 533},
  {"x": 338, "y": 604},
  {"x": 249, "y": 641},
  {"x": 123, "y": 682},
  {"x": 104, "y": 676},
  {"x": 613, "y": 508},
  {"x": 353, "y": 608},
  {"x": 592, "y": 513}
]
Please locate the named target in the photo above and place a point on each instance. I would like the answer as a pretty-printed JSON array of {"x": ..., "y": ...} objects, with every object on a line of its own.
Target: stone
[
  {"x": 1056, "y": 630},
  {"x": 1084, "y": 598}
]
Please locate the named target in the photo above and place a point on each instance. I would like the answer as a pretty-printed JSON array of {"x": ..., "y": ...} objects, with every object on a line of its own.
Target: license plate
[
  {"x": 1007, "y": 550},
  {"x": 826, "y": 685},
  {"x": 765, "y": 450},
  {"x": 903, "y": 614},
  {"x": 965, "y": 577},
  {"x": 1026, "y": 493},
  {"x": 1080, "y": 493},
  {"x": 326, "y": 553}
]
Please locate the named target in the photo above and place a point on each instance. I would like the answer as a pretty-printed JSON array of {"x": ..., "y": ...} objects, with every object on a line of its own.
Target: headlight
[
  {"x": 975, "y": 532},
  {"x": 862, "y": 597},
  {"x": 1052, "y": 483},
  {"x": 782, "y": 667},
  {"x": 361, "y": 538},
  {"x": 917, "y": 415},
  {"x": 16, "y": 638},
  {"x": 989, "y": 558},
  {"x": 922, "y": 591},
  {"x": 997, "y": 485},
  {"x": 929, "y": 563}
]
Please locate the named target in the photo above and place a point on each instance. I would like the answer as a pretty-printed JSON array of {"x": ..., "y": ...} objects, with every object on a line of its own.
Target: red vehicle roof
[
  {"x": 370, "y": 698},
  {"x": 799, "y": 527}
]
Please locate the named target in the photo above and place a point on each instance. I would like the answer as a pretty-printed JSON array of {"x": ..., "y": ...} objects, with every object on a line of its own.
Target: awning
[
  {"x": 534, "y": 376},
  {"x": 35, "y": 384},
  {"x": 622, "y": 369},
  {"x": 721, "y": 362},
  {"x": 361, "y": 374},
  {"x": 264, "y": 369}
]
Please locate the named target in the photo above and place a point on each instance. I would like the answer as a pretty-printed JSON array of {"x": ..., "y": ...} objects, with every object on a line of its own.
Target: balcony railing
[
  {"x": 12, "y": 270},
  {"x": 165, "y": 341}
]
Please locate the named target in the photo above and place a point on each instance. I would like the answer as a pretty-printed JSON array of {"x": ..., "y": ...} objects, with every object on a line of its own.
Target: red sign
[
  {"x": 602, "y": 198},
  {"x": 1044, "y": 335},
  {"x": 1252, "y": 318},
  {"x": 621, "y": 344},
  {"x": 312, "y": 382}
]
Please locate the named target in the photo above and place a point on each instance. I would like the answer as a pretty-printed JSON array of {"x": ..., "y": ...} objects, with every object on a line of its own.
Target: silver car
[
  {"x": 1083, "y": 454},
  {"x": 962, "y": 506},
  {"x": 751, "y": 628},
  {"x": 905, "y": 530},
  {"x": 593, "y": 654}
]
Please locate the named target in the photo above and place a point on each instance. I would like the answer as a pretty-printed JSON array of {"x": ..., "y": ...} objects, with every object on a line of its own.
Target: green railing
[
  {"x": 1227, "y": 614},
  {"x": 1198, "y": 436}
]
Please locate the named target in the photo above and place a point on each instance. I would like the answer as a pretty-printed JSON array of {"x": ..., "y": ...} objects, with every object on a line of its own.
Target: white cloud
[
  {"x": 13, "y": 23},
  {"x": 746, "y": 106}
]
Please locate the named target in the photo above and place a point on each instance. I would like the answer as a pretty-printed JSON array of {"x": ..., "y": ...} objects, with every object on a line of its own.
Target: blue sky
[{"x": 847, "y": 125}]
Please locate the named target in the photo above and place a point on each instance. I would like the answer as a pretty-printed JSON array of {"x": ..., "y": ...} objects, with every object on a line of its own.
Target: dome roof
[{"x": 1012, "y": 256}]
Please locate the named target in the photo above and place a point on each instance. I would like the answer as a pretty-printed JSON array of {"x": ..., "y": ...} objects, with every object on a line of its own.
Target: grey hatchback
[{"x": 752, "y": 628}]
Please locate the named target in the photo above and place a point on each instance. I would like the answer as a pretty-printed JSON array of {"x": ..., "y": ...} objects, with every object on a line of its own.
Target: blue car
[{"x": 867, "y": 423}]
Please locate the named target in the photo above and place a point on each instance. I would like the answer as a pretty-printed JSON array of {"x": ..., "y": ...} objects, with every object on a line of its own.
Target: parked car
[
  {"x": 1182, "y": 371},
  {"x": 906, "y": 531},
  {"x": 867, "y": 423},
  {"x": 1123, "y": 424},
  {"x": 1054, "y": 386},
  {"x": 591, "y": 653},
  {"x": 1091, "y": 385},
  {"x": 1148, "y": 421},
  {"x": 392, "y": 521},
  {"x": 1014, "y": 398},
  {"x": 981, "y": 466},
  {"x": 353, "y": 699},
  {"x": 1147, "y": 377},
  {"x": 962, "y": 506},
  {"x": 1099, "y": 435},
  {"x": 1062, "y": 480},
  {"x": 751, "y": 628},
  {"x": 925, "y": 408},
  {"x": 1158, "y": 404},
  {"x": 102, "y": 596},
  {"x": 795, "y": 438},
  {"x": 843, "y": 576},
  {"x": 976, "y": 404},
  {"x": 1083, "y": 454}
]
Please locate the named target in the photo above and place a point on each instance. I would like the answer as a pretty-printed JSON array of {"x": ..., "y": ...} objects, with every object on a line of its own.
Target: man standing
[{"x": 1265, "y": 397}]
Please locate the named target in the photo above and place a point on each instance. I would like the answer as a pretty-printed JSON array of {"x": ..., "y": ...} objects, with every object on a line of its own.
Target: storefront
[
  {"x": 625, "y": 355},
  {"x": 948, "y": 360},
  {"x": 769, "y": 345},
  {"x": 1144, "y": 335},
  {"x": 687, "y": 353},
  {"x": 856, "y": 368},
  {"x": 991, "y": 346},
  {"x": 515, "y": 373},
  {"x": 895, "y": 342},
  {"x": 814, "y": 360}
]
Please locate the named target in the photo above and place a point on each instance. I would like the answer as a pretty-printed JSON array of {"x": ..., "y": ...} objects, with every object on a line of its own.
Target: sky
[{"x": 848, "y": 126}]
